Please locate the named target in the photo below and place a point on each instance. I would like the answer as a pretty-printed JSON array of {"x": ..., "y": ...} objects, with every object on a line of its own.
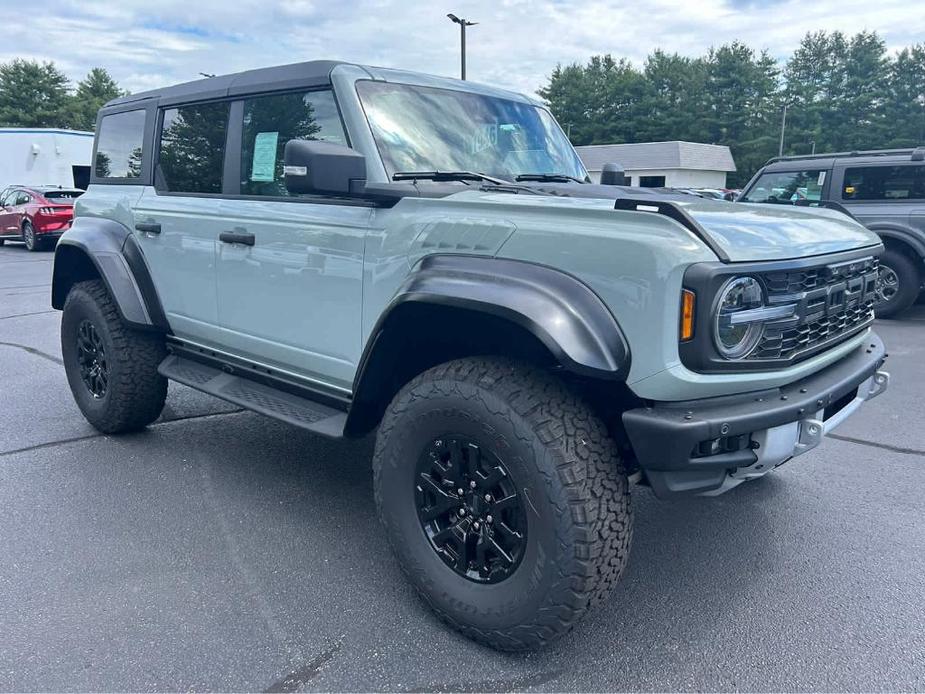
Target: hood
[{"x": 743, "y": 232}]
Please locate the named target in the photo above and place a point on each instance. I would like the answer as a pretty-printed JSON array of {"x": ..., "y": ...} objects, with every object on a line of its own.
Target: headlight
[{"x": 737, "y": 324}]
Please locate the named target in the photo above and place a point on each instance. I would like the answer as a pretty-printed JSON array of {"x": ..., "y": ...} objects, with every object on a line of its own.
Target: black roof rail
[{"x": 854, "y": 153}]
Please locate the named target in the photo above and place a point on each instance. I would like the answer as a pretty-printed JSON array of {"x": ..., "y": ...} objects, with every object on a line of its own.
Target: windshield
[
  {"x": 787, "y": 187},
  {"x": 430, "y": 129}
]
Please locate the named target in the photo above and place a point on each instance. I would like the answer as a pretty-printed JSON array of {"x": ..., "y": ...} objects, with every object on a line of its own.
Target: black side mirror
[
  {"x": 315, "y": 166},
  {"x": 613, "y": 175}
]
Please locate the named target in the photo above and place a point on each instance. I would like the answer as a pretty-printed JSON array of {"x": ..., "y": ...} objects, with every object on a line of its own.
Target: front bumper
[{"x": 709, "y": 446}]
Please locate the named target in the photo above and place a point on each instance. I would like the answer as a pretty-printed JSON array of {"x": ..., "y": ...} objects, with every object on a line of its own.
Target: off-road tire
[
  {"x": 135, "y": 393},
  {"x": 579, "y": 519},
  {"x": 910, "y": 283},
  {"x": 28, "y": 237}
]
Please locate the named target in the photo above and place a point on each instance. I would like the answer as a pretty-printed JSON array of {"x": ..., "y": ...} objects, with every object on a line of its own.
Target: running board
[{"x": 286, "y": 407}]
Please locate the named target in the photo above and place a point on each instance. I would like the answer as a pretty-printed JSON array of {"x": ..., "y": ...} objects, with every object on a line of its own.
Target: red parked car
[{"x": 36, "y": 215}]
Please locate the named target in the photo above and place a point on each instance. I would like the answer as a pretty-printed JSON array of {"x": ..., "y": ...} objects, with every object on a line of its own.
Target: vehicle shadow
[{"x": 694, "y": 561}]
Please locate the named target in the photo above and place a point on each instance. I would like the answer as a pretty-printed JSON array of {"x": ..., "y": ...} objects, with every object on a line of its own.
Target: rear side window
[
  {"x": 884, "y": 183},
  {"x": 193, "y": 148},
  {"x": 787, "y": 187},
  {"x": 119, "y": 145},
  {"x": 270, "y": 122}
]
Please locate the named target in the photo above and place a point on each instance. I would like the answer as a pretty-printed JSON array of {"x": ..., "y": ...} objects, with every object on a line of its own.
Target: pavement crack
[
  {"x": 305, "y": 674},
  {"x": 33, "y": 350},
  {"x": 33, "y": 313},
  {"x": 875, "y": 444},
  {"x": 87, "y": 437}
]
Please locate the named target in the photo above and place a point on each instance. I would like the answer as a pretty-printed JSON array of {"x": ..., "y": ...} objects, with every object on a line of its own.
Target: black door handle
[
  {"x": 148, "y": 227},
  {"x": 237, "y": 237}
]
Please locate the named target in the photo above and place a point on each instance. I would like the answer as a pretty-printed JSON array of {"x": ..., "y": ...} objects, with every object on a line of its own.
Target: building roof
[
  {"x": 46, "y": 131},
  {"x": 658, "y": 155}
]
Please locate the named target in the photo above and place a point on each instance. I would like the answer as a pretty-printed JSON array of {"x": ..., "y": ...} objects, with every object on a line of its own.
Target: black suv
[{"x": 883, "y": 189}]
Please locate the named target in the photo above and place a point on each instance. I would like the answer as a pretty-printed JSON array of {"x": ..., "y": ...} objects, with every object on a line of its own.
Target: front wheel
[
  {"x": 112, "y": 369},
  {"x": 898, "y": 284},
  {"x": 504, "y": 498}
]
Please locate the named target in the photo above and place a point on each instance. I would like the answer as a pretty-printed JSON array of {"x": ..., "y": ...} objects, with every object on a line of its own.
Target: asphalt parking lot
[{"x": 220, "y": 550}]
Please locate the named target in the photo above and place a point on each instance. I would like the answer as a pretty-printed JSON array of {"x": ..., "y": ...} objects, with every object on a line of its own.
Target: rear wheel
[
  {"x": 112, "y": 370},
  {"x": 504, "y": 499},
  {"x": 28, "y": 236},
  {"x": 898, "y": 284}
]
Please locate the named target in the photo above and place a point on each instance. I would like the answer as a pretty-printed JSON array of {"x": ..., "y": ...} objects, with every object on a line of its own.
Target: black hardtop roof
[
  {"x": 315, "y": 73},
  {"x": 827, "y": 160}
]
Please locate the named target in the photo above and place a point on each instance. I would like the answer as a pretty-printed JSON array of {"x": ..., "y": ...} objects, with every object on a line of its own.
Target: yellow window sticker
[{"x": 263, "y": 166}]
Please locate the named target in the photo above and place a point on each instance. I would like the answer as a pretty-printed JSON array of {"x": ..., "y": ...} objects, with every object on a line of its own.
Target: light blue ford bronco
[{"x": 352, "y": 249}]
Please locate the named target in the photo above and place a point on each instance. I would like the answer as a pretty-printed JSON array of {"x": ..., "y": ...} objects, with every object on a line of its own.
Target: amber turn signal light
[{"x": 687, "y": 315}]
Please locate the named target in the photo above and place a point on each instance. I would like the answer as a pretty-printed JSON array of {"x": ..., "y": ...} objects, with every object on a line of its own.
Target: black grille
[{"x": 831, "y": 301}]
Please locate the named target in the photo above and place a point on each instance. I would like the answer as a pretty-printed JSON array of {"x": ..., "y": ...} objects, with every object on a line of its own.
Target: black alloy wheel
[
  {"x": 470, "y": 510},
  {"x": 91, "y": 357}
]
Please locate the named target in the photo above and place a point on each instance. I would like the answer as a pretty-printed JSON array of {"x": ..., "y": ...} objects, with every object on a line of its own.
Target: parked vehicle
[
  {"x": 353, "y": 249},
  {"x": 883, "y": 189},
  {"x": 36, "y": 215}
]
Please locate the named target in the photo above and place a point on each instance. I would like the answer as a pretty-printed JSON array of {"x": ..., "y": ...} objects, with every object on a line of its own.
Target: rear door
[
  {"x": 291, "y": 295},
  {"x": 178, "y": 221}
]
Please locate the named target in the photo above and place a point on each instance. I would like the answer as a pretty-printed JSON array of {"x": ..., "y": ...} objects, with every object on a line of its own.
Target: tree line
[
  {"x": 841, "y": 92},
  {"x": 39, "y": 95}
]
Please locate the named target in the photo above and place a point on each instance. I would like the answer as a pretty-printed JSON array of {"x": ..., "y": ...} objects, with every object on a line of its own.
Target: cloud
[{"x": 516, "y": 44}]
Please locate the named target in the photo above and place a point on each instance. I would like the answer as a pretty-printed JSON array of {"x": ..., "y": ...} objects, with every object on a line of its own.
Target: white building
[
  {"x": 654, "y": 164},
  {"x": 45, "y": 156}
]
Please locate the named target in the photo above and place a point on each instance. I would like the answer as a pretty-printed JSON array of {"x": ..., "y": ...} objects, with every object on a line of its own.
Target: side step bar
[{"x": 289, "y": 408}]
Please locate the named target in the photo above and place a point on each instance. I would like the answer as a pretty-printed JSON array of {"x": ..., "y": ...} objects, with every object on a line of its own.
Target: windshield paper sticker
[
  {"x": 263, "y": 166},
  {"x": 821, "y": 178}
]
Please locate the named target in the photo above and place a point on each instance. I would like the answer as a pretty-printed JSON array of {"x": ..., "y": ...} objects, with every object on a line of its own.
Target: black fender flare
[
  {"x": 118, "y": 261},
  {"x": 907, "y": 235},
  {"x": 559, "y": 310}
]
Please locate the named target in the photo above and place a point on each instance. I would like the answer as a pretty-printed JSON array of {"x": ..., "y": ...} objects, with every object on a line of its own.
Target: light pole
[
  {"x": 920, "y": 99},
  {"x": 813, "y": 143},
  {"x": 463, "y": 23},
  {"x": 783, "y": 125}
]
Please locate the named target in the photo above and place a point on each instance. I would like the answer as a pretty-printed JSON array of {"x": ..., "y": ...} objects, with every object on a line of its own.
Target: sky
[{"x": 516, "y": 43}]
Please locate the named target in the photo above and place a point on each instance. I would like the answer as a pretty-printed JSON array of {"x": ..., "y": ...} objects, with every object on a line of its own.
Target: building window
[
  {"x": 651, "y": 181},
  {"x": 119, "y": 145},
  {"x": 193, "y": 148},
  {"x": 270, "y": 122}
]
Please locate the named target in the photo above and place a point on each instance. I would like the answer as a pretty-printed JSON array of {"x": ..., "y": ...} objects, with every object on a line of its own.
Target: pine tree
[
  {"x": 92, "y": 92},
  {"x": 32, "y": 94}
]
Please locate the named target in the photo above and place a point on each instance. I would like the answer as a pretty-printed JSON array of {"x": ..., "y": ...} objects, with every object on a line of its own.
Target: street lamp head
[{"x": 461, "y": 22}]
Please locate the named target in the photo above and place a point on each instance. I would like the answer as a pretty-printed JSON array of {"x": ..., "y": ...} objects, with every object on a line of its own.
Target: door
[
  {"x": 8, "y": 225},
  {"x": 177, "y": 222},
  {"x": 290, "y": 269}
]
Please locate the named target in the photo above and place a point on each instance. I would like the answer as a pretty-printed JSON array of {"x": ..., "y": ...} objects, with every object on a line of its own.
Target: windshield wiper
[
  {"x": 548, "y": 177},
  {"x": 447, "y": 176}
]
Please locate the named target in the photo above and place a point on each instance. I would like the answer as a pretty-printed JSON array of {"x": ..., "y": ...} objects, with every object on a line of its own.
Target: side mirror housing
[
  {"x": 316, "y": 166},
  {"x": 613, "y": 175}
]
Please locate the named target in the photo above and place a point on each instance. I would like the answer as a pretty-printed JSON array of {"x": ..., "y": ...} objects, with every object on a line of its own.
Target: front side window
[
  {"x": 884, "y": 183},
  {"x": 270, "y": 122},
  {"x": 193, "y": 148},
  {"x": 430, "y": 129},
  {"x": 119, "y": 145},
  {"x": 787, "y": 187}
]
